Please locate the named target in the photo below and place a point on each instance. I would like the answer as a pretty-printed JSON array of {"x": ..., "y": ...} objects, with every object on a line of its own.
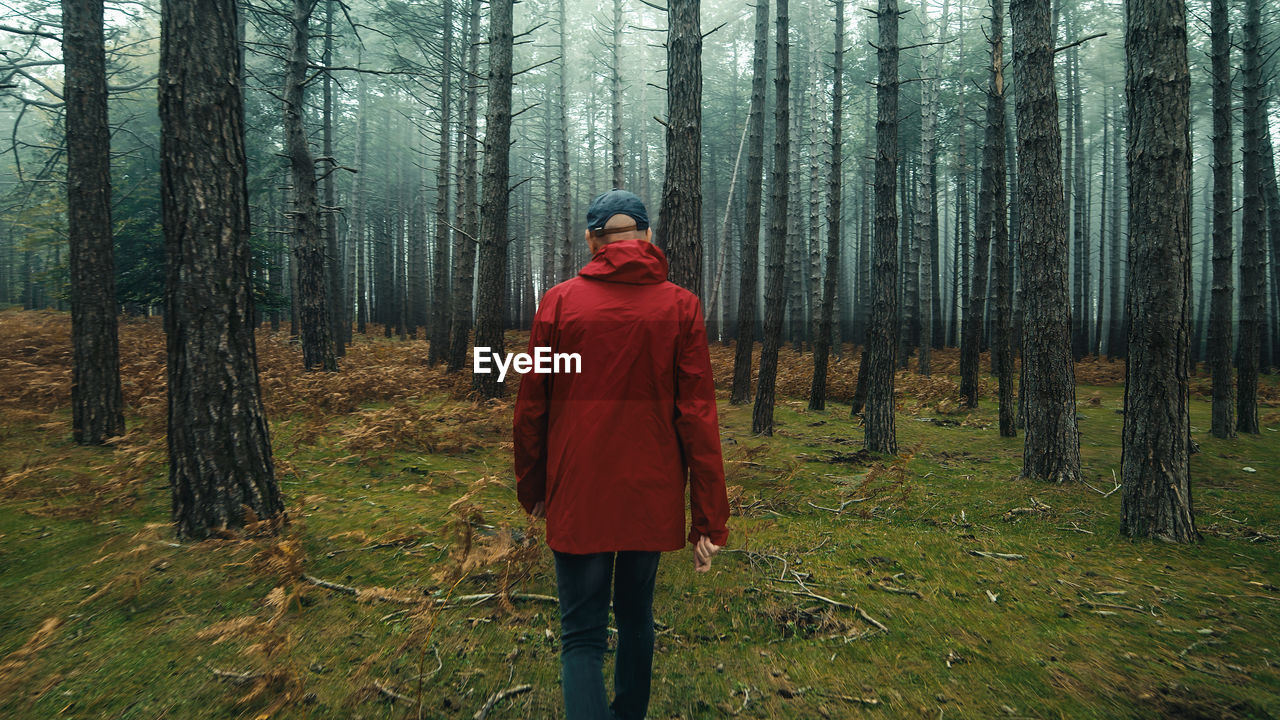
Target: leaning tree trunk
[
  {"x": 680, "y": 217},
  {"x": 1002, "y": 348},
  {"x": 1052, "y": 448},
  {"x": 744, "y": 338},
  {"x": 882, "y": 335},
  {"x": 439, "y": 316},
  {"x": 464, "y": 243},
  {"x": 308, "y": 245},
  {"x": 97, "y": 406},
  {"x": 1252, "y": 281},
  {"x": 220, "y": 469},
  {"x": 822, "y": 343},
  {"x": 1155, "y": 461},
  {"x": 1223, "y": 423},
  {"x": 775, "y": 288},
  {"x": 495, "y": 198}
]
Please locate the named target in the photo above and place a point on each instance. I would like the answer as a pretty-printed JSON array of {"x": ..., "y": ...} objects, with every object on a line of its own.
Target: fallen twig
[
  {"x": 997, "y": 555},
  {"x": 390, "y": 694},
  {"x": 815, "y": 596},
  {"x": 1109, "y": 492},
  {"x": 444, "y": 603},
  {"x": 236, "y": 678},
  {"x": 331, "y": 585},
  {"x": 894, "y": 589},
  {"x": 498, "y": 697}
]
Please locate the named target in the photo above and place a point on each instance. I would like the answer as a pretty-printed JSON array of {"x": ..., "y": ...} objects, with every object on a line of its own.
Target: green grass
[{"x": 141, "y": 623}]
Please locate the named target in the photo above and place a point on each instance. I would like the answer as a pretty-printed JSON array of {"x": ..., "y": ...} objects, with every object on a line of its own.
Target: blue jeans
[{"x": 584, "y": 583}]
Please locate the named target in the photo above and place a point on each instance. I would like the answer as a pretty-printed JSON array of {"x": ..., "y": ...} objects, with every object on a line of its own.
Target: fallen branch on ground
[
  {"x": 236, "y": 678},
  {"x": 498, "y": 697},
  {"x": 815, "y": 596},
  {"x": 444, "y": 603},
  {"x": 390, "y": 694},
  {"x": 894, "y": 589},
  {"x": 997, "y": 555}
]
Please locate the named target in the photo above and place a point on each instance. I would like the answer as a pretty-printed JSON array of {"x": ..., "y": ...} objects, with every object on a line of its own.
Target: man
[{"x": 604, "y": 454}]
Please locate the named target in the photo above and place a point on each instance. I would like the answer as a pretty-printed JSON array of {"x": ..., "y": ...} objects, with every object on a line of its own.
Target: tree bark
[
  {"x": 464, "y": 250},
  {"x": 97, "y": 406},
  {"x": 495, "y": 198},
  {"x": 1052, "y": 447},
  {"x": 775, "y": 288},
  {"x": 1252, "y": 256},
  {"x": 882, "y": 340},
  {"x": 1223, "y": 423},
  {"x": 1155, "y": 462},
  {"x": 220, "y": 466},
  {"x": 744, "y": 337},
  {"x": 439, "y": 350},
  {"x": 309, "y": 249},
  {"x": 333, "y": 257},
  {"x": 680, "y": 217},
  {"x": 822, "y": 343},
  {"x": 615, "y": 97},
  {"x": 1002, "y": 347}
]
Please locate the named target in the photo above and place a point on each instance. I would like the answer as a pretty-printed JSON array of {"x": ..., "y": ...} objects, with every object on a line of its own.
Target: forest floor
[{"x": 852, "y": 586}]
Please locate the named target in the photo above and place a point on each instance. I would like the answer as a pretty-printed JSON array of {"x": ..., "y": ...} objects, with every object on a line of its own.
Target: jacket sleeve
[
  {"x": 699, "y": 431},
  {"x": 530, "y": 420}
]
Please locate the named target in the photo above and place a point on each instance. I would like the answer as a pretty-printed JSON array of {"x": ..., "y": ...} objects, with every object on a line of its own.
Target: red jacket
[{"x": 609, "y": 448}]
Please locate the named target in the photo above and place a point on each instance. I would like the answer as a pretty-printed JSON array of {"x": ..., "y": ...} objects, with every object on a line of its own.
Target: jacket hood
[{"x": 637, "y": 262}]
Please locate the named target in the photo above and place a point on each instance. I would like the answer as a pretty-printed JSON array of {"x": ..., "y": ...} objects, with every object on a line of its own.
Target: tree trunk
[
  {"x": 1115, "y": 302},
  {"x": 439, "y": 334},
  {"x": 1156, "y": 498},
  {"x": 775, "y": 288},
  {"x": 1002, "y": 347},
  {"x": 464, "y": 249},
  {"x": 1223, "y": 423},
  {"x": 563, "y": 241},
  {"x": 333, "y": 258},
  {"x": 309, "y": 247},
  {"x": 680, "y": 217},
  {"x": 615, "y": 96},
  {"x": 1052, "y": 447},
  {"x": 97, "y": 406},
  {"x": 882, "y": 340},
  {"x": 1252, "y": 257},
  {"x": 220, "y": 467},
  {"x": 822, "y": 342},
  {"x": 926, "y": 207},
  {"x": 745, "y": 334},
  {"x": 495, "y": 199}
]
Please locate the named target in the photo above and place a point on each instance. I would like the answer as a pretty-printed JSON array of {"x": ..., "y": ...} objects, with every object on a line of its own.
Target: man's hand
[
  {"x": 702, "y": 553},
  {"x": 539, "y": 510}
]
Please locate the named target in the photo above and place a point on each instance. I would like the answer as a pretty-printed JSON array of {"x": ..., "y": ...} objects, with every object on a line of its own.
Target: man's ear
[{"x": 648, "y": 234}]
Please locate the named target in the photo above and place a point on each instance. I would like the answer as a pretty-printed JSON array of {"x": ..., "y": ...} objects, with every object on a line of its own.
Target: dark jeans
[{"x": 584, "y": 583}]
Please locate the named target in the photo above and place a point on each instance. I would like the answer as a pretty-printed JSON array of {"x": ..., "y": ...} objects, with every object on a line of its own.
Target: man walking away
[{"x": 605, "y": 454}]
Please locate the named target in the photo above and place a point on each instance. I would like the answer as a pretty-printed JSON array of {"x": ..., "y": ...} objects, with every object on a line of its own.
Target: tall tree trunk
[
  {"x": 1115, "y": 302},
  {"x": 1223, "y": 423},
  {"x": 495, "y": 198},
  {"x": 926, "y": 206},
  {"x": 563, "y": 239},
  {"x": 1052, "y": 447},
  {"x": 97, "y": 406},
  {"x": 680, "y": 217},
  {"x": 333, "y": 257},
  {"x": 615, "y": 96},
  {"x": 1080, "y": 215},
  {"x": 360, "y": 210},
  {"x": 1271, "y": 195},
  {"x": 309, "y": 249},
  {"x": 220, "y": 467},
  {"x": 822, "y": 342},
  {"x": 1252, "y": 256},
  {"x": 882, "y": 340},
  {"x": 1002, "y": 348},
  {"x": 1155, "y": 462},
  {"x": 745, "y": 334},
  {"x": 971, "y": 340},
  {"x": 464, "y": 250},
  {"x": 775, "y": 288},
  {"x": 440, "y": 316}
]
